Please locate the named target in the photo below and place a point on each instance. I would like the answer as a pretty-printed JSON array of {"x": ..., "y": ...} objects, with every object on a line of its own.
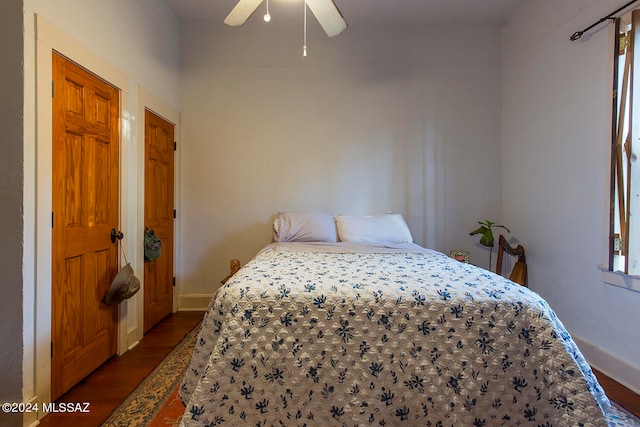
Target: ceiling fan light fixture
[
  {"x": 267, "y": 17},
  {"x": 325, "y": 11}
]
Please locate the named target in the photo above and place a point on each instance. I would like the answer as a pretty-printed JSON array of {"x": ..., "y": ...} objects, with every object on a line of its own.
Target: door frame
[
  {"x": 49, "y": 39},
  {"x": 148, "y": 101}
]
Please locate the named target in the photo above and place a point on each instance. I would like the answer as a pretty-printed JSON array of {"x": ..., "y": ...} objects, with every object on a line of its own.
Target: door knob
[{"x": 116, "y": 235}]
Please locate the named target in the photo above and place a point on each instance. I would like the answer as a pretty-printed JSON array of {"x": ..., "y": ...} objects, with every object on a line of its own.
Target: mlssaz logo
[{"x": 69, "y": 407}]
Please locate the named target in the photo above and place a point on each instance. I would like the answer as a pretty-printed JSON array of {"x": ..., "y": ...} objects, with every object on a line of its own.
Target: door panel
[
  {"x": 85, "y": 153},
  {"x": 158, "y": 216}
]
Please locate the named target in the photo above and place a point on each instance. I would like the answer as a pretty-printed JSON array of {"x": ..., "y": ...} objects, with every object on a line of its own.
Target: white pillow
[
  {"x": 304, "y": 227},
  {"x": 387, "y": 228}
]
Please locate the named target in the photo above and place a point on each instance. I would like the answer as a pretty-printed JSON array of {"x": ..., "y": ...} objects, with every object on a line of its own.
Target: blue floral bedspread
[{"x": 306, "y": 338}]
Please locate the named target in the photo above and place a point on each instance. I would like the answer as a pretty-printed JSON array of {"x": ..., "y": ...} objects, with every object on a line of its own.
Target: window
[{"x": 625, "y": 173}]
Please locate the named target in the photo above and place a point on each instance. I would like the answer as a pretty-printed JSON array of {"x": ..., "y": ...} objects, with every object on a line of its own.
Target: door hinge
[
  {"x": 51, "y": 219},
  {"x": 52, "y": 349},
  {"x": 618, "y": 245},
  {"x": 174, "y": 281},
  {"x": 175, "y": 213},
  {"x": 52, "y": 88},
  {"x": 175, "y": 145}
]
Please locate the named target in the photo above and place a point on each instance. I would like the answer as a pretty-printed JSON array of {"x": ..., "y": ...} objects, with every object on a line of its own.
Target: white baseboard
[
  {"x": 30, "y": 419},
  {"x": 619, "y": 370},
  {"x": 194, "y": 302}
]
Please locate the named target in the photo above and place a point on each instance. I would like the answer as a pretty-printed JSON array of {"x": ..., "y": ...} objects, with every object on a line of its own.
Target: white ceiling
[{"x": 364, "y": 12}]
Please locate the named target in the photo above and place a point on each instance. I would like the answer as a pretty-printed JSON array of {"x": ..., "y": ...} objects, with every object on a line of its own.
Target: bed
[{"x": 344, "y": 332}]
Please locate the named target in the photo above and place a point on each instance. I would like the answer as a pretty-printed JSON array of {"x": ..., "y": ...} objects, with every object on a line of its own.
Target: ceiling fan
[{"x": 325, "y": 12}]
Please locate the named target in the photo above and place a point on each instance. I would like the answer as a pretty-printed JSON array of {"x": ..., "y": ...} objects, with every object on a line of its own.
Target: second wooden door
[{"x": 159, "y": 216}]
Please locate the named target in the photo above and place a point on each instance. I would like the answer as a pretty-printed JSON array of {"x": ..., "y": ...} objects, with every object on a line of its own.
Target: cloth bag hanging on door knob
[
  {"x": 124, "y": 285},
  {"x": 152, "y": 245}
]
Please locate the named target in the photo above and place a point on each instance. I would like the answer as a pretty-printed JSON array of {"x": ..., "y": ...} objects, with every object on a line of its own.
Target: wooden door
[
  {"x": 85, "y": 209},
  {"x": 158, "y": 216}
]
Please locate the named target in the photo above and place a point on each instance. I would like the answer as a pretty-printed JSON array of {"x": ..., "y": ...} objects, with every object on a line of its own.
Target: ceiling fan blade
[
  {"x": 243, "y": 10},
  {"x": 328, "y": 16}
]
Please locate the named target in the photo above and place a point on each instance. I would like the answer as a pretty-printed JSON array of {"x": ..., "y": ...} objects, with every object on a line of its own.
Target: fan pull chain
[{"x": 304, "y": 45}]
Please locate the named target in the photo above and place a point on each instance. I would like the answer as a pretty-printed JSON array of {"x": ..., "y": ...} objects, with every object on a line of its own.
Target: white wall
[
  {"x": 374, "y": 120},
  {"x": 555, "y": 166},
  {"x": 133, "y": 45}
]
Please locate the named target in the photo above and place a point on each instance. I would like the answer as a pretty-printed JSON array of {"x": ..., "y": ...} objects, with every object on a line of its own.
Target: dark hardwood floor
[
  {"x": 619, "y": 393},
  {"x": 110, "y": 384}
]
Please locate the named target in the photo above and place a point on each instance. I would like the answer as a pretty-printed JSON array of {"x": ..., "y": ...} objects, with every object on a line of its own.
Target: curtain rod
[{"x": 575, "y": 36}]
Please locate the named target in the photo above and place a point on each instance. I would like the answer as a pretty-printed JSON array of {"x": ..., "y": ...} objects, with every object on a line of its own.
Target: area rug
[
  {"x": 153, "y": 400},
  {"x": 156, "y": 403}
]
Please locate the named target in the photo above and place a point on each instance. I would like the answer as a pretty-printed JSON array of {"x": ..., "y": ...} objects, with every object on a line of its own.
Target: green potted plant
[{"x": 486, "y": 235}]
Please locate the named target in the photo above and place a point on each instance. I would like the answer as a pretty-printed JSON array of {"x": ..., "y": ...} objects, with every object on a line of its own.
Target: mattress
[{"x": 358, "y": 335}]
